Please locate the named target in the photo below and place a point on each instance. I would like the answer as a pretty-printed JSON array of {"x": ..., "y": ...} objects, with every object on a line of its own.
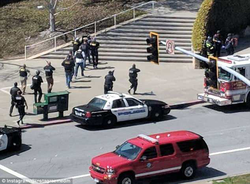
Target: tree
[{"x": 52, "y": 10}]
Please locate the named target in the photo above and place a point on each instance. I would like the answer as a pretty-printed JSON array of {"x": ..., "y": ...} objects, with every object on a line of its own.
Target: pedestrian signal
[
  {"x": 211, "y": 73},
  {"x": 153, "y": 41}
]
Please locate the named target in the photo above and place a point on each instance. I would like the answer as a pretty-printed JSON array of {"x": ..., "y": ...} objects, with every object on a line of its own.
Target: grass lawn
[{"x": 242, "y": 179}]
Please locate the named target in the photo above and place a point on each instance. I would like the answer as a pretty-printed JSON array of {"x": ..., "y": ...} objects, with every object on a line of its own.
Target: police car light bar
[
  {"x": 116, "y": 93},
  {"x": 150, "y": 139}
]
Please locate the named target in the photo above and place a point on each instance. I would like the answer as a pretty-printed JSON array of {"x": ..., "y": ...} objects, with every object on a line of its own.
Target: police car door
[
  {"x": 120, "y": 110},
  {"x": 137, "y": 109}
]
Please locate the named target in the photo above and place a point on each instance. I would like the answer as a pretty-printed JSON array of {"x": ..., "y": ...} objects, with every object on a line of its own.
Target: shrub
[{"x": 229, "y": 16}]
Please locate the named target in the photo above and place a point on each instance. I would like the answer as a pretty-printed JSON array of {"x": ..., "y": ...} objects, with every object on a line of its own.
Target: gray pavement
[{"x": 169, "y": 82}]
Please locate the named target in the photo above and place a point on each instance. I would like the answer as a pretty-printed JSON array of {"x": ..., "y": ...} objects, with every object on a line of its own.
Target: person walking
[
  {"x": 20, "y": 105},
  {"x": 76, "y": 44},
  {"x": 13, "y": 93},
  {"x": 49, "y": 75},
  {"x": 217, "y": 43},
  {"x": 108, "y": 85},
  {"x": 23, "y": 73},
  {"x": 68, "y": 65},
  {"x": 36, "y": 86},
  {"x": 94, "y": 46},
  {"x": 79, "y": 61},
  {"x": 133, "y": 78},
  {"x": 85, "y": 47}
]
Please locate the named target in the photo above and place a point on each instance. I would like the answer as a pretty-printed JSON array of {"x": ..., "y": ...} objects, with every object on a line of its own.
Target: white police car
[
  {"x": 10, "y": 138},
  {"x": 116, "y": 107}
]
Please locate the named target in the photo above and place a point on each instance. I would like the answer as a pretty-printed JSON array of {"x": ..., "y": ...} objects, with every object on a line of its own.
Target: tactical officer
[
  {"x": 36, "y": 86},
  {"x": 23, "y": 72},
  {"x": 108, "y": 85},
  {"x": 217, "y": 43},
  {"x": 229, "y": 44},
  {"x": 68, "y": 65},
  {"x": 85, "y": 47},
  {"x": 20, "y": 105},
  {"x": 209, "y": 46},
  {"x": 13, "y": 93},
  {"x": 49, "y": 75},
  {"x": 76, "y": 43},
  {"x": 133, "y": 78},
  {"x": 94, "y": 46}
]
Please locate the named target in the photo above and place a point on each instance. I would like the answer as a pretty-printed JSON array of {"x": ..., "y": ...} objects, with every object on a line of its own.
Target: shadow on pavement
[
  {"x": 80, "y": 87},
  {"x": 92, "y": 76},
  {"x": 125, "y": 124},
  {"x": 5, "y": 154},
  {"x": 146, "y": 93},
  {"x": 81, "y": 81},
  {"x": 102, "y": 68},
  {"x": 229, "y": 109},
  {"x": 175, "y": 178}
]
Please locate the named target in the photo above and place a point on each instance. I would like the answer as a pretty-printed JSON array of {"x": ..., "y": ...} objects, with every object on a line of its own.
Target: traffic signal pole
[{"x": 229, "y": 70}]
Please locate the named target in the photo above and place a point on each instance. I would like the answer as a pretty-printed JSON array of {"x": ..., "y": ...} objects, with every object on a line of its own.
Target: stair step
[
  {"x": 170, "y": 17},
  {"x": 145, "y": 35},
  {"x": 155, "y": 27},
  {"x": 171, "y": 24},
  {"x": 167, "y": 19},
  {"x": 162, "y": 55},
  {"x": 133, "y": 31}
]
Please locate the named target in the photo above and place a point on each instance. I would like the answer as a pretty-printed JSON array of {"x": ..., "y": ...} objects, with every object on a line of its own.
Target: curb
[
  {"x": 185, "y": 104},
  {"x": 54, "y": 122}
]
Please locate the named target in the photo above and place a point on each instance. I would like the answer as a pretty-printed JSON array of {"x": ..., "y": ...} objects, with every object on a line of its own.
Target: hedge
[{"x": 229, "y": 16}]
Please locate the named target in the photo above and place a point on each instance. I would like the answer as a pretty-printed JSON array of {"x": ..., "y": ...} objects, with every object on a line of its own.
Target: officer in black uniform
[
  {"x": 108, "y": 85},
  {"x": 76, "y": 44},
  {"x": 20, "y": 105},
  {"x": 68, "y": 65},
  {"x": 133, "y": 78},
  {"x": 94, "y": 46},
  {"x": 36, "y": 85},
  {"x": 49, "y": 75},
  {"x": 13, "y": 93}
]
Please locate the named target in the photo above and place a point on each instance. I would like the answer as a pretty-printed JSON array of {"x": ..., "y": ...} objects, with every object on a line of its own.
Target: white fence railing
[{"x": 52, "y": 44}]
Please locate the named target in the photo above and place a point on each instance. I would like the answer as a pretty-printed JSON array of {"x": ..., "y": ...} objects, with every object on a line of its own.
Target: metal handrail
[{"x": 93, "y": 23}]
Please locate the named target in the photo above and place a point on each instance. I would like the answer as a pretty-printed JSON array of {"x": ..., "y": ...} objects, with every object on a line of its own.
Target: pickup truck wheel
[
  {"x": 109, "y": 121},
  {"x": 126, "y": 179},
  {"x": 248, "y": 101},
  {"x": 188, "y": 170},
  {"x": 16, "y": 143}
]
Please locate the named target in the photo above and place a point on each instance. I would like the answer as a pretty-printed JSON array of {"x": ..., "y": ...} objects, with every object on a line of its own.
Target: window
[
  {"x": 133, "y": 102},
  {"x": 241, "y": 71},
  {"x": 166, "y": 149},
  {"x": 128, "y": 150},
  {"x": 97, "y": 102},
  {"x": 224, "y": 75},
  {"x": 193, "y": 145},
  {"x": 150, "y": 153},
  {"x": 118, "y": 103}
]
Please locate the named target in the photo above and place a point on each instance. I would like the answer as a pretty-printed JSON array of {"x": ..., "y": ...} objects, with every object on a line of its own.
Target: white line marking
[
  {"x": 229, "y": 151},
  {"x": 14, "y": 173},
  {"x": 87, "y": 175},
  {"x": 5, "y": 91}
]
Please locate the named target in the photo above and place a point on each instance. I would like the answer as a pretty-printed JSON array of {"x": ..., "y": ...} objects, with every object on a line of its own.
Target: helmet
[
  {"x": 37, "y": 72},
  {"x": 110, "y": 72},
  {"x": 15, "y": 84},
  {"x": 229, "y": 34},
  {"x": 209, "y": 38}
]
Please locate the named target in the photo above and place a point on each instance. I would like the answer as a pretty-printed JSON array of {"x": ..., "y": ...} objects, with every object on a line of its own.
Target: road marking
[
  {"x": 87, "y": 175},
  {"x": 7, "y": 92},
  {"x": 229, "y": 151},
  {"x": 14, "y": 173}
]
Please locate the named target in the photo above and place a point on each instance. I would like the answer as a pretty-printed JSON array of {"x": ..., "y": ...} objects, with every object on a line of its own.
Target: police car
[
  {"x": 116, "y": 107},
  {"x": 10, "y": 138}
]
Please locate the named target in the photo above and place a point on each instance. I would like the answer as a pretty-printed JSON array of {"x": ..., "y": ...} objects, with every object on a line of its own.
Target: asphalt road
[{"x": 65, "y": 151}]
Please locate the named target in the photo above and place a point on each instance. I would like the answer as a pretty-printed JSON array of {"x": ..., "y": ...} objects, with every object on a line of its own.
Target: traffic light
[
  {"x": 211, "y": 73},
  {"x": 153, "y": 41}
]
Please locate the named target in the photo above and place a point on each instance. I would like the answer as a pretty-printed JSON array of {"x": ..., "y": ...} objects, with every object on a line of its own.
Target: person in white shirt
[{"x": 79, "y": 62}]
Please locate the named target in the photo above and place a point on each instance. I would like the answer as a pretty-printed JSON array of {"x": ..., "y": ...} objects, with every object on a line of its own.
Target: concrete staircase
[{"x": 128, "y": 42}]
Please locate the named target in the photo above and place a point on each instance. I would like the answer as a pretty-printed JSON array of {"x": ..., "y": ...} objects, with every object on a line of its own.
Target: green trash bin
[{"x": 38, "y": 108}]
